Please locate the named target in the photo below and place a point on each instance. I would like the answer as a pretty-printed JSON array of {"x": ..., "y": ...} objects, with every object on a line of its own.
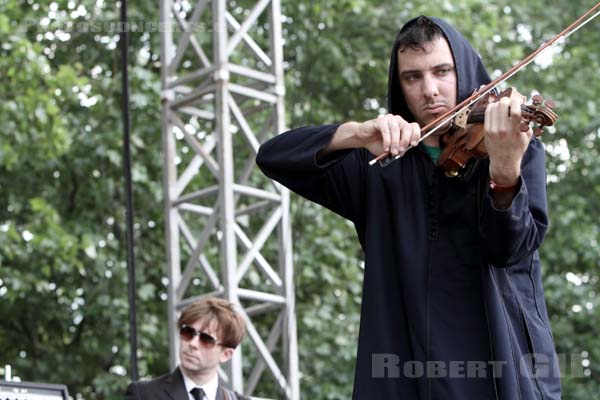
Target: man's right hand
[{"x": 386, "y": 133}]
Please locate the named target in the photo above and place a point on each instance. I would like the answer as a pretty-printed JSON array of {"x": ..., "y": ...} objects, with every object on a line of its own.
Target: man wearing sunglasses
[{"x": 209, "y": 331}]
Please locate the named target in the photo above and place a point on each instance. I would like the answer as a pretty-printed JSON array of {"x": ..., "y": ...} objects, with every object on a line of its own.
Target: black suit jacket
[{"x": 166, "y": 387}]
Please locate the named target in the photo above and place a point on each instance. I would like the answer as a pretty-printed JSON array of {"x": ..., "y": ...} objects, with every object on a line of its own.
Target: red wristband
[{"x": 499, "y": 188}]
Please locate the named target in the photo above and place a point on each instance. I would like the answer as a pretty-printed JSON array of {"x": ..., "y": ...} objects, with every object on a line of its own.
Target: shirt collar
[{"x": 210, "y": 387}]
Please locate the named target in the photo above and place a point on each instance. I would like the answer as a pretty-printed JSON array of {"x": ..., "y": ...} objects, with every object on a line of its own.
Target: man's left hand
[{"x": 505, "y": 138}]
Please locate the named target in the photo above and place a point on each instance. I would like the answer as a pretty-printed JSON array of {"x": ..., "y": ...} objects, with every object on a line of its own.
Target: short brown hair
[{"x": 231, "y": 326}]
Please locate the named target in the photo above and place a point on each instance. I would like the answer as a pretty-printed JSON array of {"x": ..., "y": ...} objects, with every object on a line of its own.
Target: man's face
[
  {"x": 198, "y": 359},
  {"x": 428, "y": 80}
]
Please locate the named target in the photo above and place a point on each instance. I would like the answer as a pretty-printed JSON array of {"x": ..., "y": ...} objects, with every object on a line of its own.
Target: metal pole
[{"x": 124, "y": 42}]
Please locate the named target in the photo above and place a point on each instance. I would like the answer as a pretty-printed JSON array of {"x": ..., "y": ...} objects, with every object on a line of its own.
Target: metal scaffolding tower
[{"x": 228, "y": 228}]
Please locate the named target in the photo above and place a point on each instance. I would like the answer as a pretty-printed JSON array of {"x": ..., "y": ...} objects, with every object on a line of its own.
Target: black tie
[{"x": 197, "y": 393}]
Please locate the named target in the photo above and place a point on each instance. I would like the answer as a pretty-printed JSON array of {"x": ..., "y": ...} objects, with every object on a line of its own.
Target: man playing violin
[{"x": 453, "y": 305}]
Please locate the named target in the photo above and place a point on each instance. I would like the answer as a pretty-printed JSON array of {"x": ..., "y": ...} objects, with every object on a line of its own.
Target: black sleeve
[
  {"x": 512, "y": 234},
  {"x": 132, "y": 392},
  {"x": 336, "y": 182}
]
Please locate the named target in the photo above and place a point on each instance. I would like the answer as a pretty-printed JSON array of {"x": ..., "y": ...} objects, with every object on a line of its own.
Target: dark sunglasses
[{"x": 187, "y": 333}]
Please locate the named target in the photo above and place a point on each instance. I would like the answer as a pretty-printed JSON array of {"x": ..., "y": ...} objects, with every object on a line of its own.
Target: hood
[{"x": 470, "y": 72}]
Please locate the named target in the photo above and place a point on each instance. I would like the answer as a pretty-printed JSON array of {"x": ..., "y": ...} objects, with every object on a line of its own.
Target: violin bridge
[{"x": 461, "y": 118}]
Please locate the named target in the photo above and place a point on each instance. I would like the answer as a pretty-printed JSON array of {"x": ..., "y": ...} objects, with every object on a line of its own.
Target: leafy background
[{"x": 63, "y": 277}]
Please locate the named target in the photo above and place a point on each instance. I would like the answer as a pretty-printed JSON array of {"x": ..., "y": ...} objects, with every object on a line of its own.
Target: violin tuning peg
[
  {"x": 549, "y": 103},
  {"x": 537, "y": 100}
]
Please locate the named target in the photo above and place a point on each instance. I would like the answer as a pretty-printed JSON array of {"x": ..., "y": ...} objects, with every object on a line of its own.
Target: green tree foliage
[{"x": 63, "y": 295}]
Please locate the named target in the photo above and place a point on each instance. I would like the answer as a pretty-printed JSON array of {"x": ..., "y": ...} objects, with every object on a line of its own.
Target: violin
[
  {"x": 462, "y": 127},
  {"x": 464, "y": 137}
]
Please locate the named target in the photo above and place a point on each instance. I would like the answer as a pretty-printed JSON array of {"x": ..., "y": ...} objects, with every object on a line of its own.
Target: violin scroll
[{"x": 539, "y": 112}]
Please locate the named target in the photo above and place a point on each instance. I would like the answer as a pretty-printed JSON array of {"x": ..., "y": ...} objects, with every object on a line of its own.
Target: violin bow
[{"x": 442, "y": 120}]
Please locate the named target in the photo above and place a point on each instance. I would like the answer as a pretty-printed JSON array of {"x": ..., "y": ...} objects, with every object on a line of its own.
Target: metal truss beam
[{"x": 228, "y": 228}]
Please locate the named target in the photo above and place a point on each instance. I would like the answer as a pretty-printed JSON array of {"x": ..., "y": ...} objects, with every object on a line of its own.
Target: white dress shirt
[{"x": 210, "y": 388}]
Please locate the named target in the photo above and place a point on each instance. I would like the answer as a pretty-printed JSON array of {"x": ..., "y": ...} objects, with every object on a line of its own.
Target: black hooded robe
[{"x": 453, "y": 303}]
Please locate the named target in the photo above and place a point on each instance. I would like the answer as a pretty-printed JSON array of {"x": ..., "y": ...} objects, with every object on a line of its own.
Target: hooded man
[{"x": 453, "y": 305}]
